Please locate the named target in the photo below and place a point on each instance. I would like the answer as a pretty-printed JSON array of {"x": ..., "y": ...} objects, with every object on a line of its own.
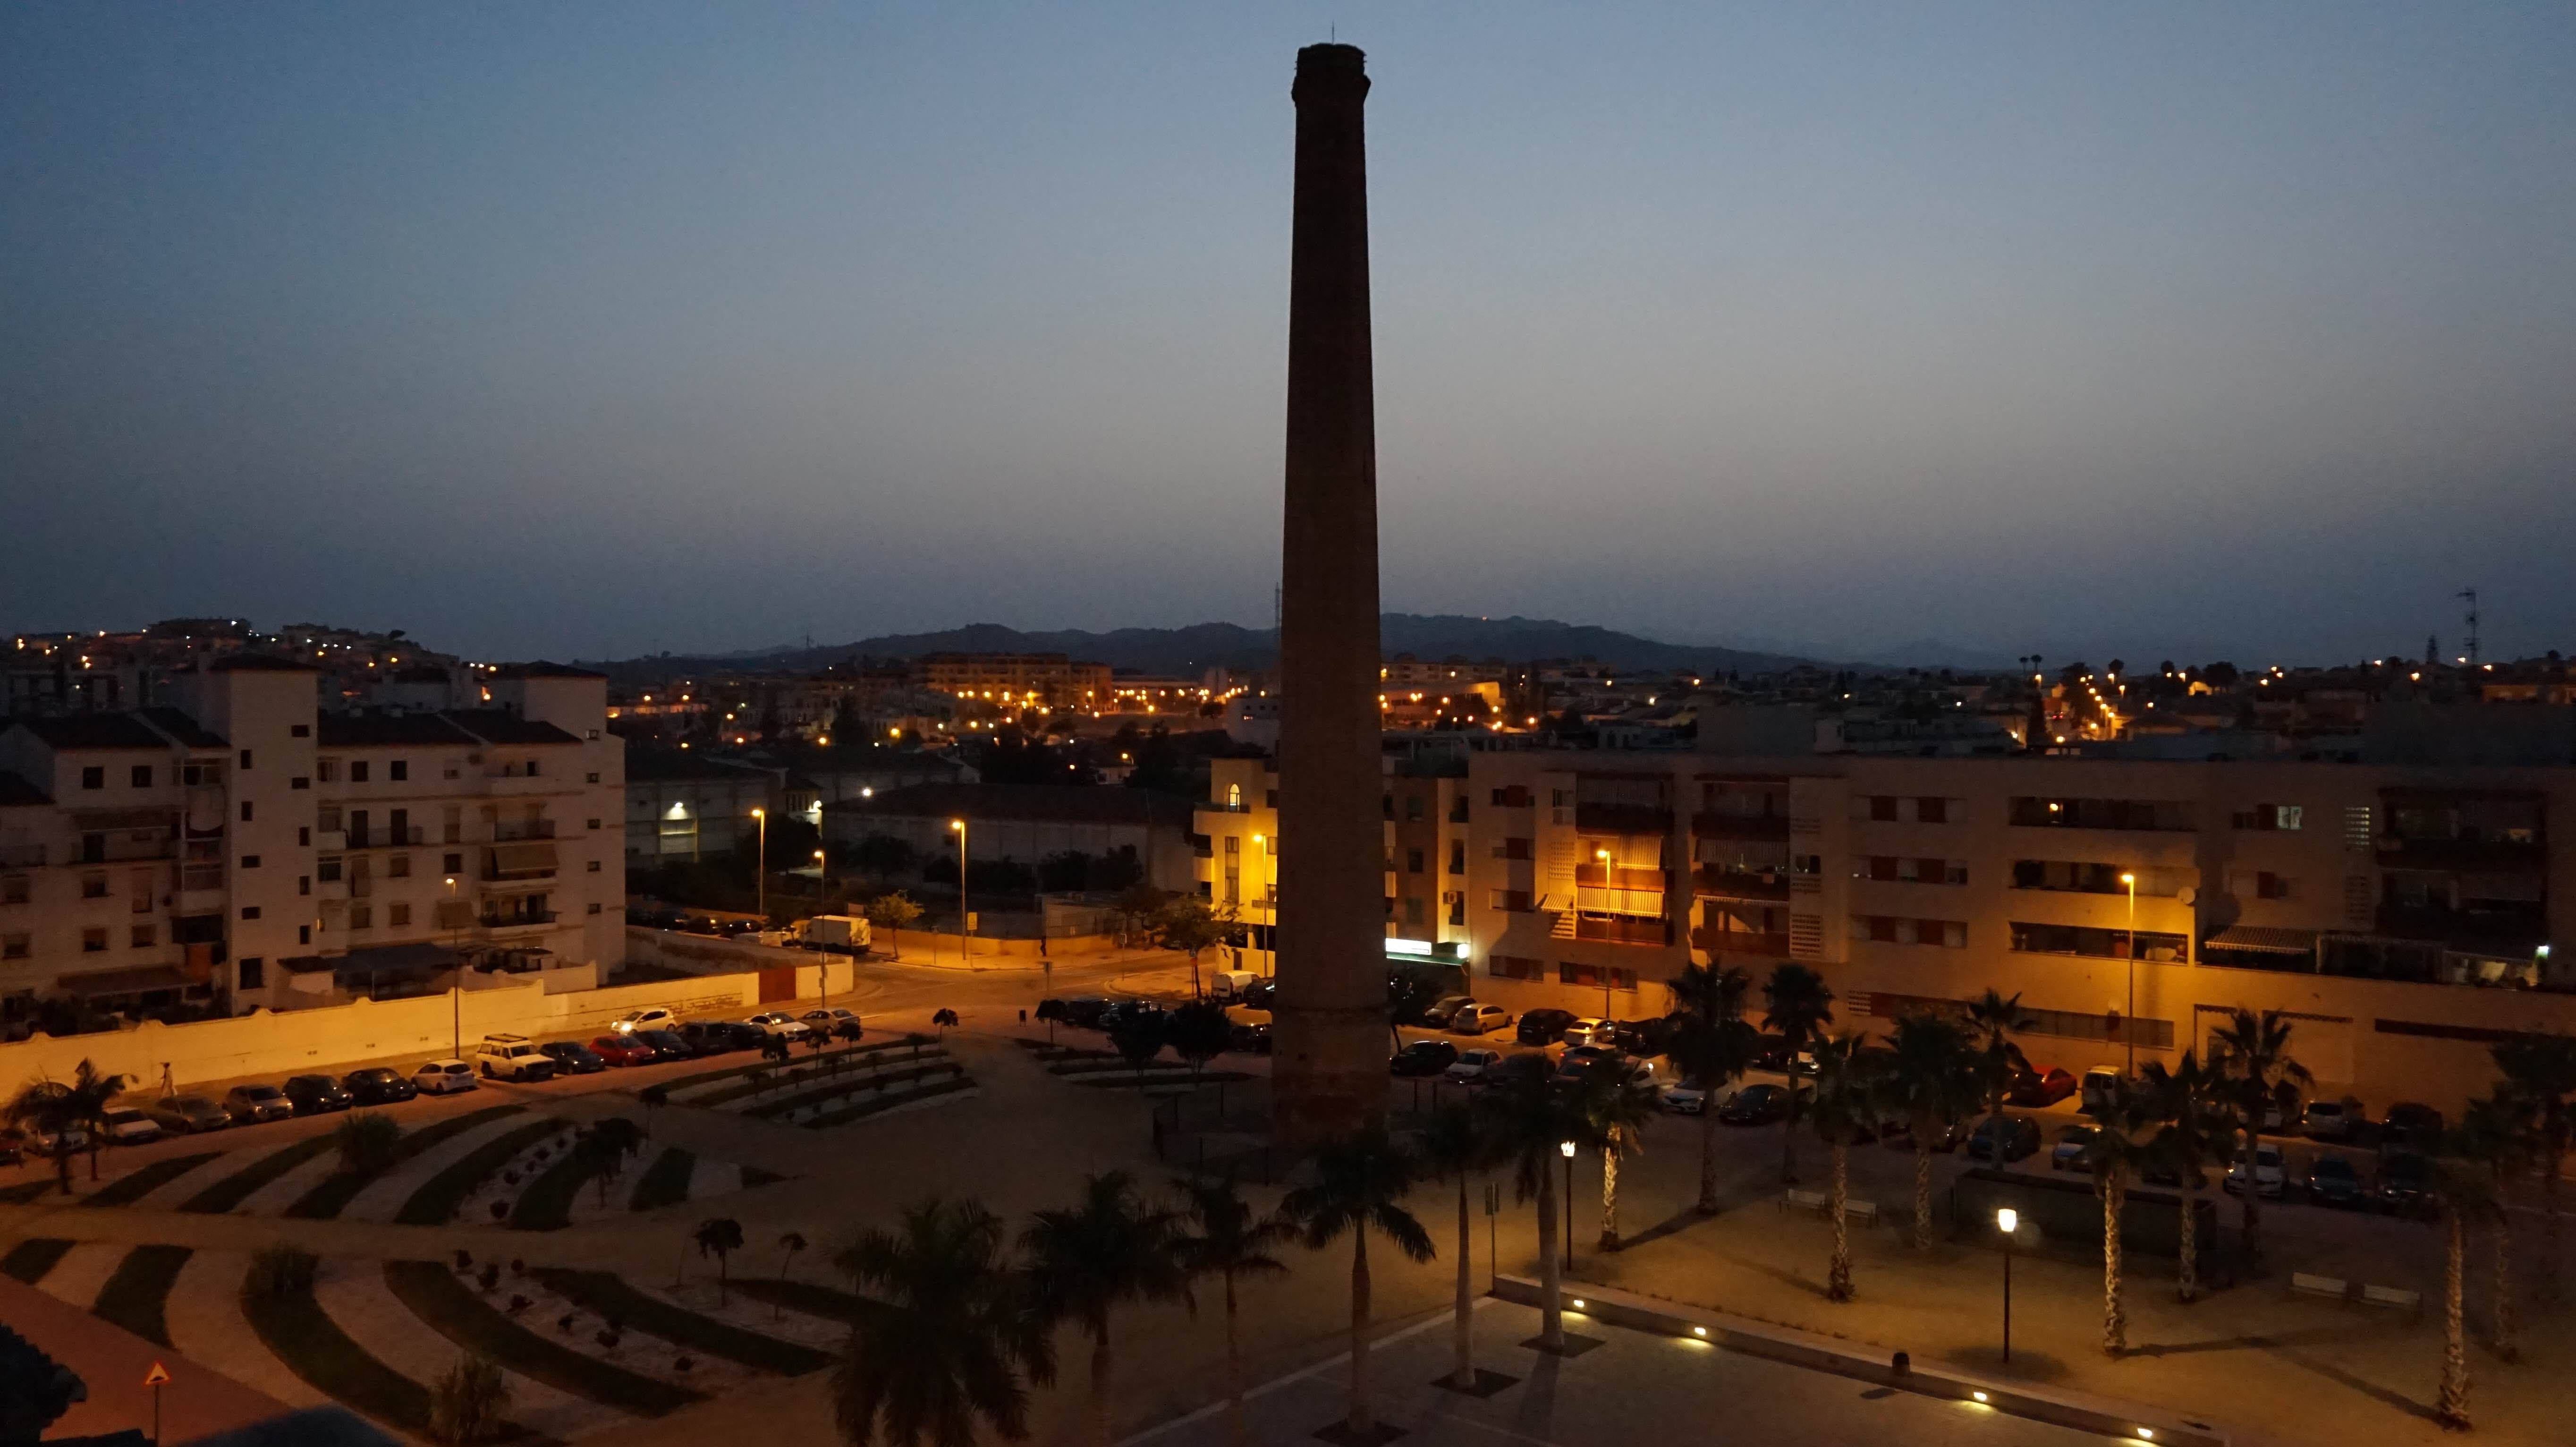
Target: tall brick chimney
[{"x": 1329, "y": 1066}]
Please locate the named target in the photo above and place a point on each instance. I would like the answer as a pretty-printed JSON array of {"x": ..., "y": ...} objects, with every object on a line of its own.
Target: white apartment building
[{"x": 244, "y": 848}]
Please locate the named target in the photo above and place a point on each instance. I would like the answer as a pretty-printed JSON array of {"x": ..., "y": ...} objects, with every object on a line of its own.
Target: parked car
[
  {"x": 1438, "y": 1013},
  {"x": 624, "y": 1050},
  {"x": 442, "y": 1077},
  {"x": 377, "y": 1085},
  {"x": 1585, "y": 1030},
  {"x": 1423, "y": 1057},
  {"x": 835, "y": 1022},
  {"x": 1517, "y": 1069},
  {"x": 512, "y": 1057},
  {"x": 1644, "y": 1037},
  {"x": 1471, "y": 1065},
  {"x": 1687, "y": 1096},
  {"x": 2040, "y": 1086},
  {"x": 2405, "y": 1183},
  {"x": 2265, "y": 1171},
  {"x": 251, "y": 1104},
  {"x": 127, "y": 1126},
  {"x": 317, "y": 1094},
  {"x": 2072, "y": 1142},
  {"x": 1574, "y": 1061},
  {"x": 70, "y": 1140},
  {"x": 1126, "y": 1012},
  {"x": 774, "y": 1022},
  {"x": 571, "y": 1057},
  {"x": 656, "y": 1019},
  {"x": 2004, "y": 1139},
  {"x": 1945, "y": 1138},
  {"x": 1755, "y": 1105},
  {"x": 1251, "y": 1037},
  {"x": 712, "y": 1037},
  {"x": 2333, "y": 1182},
  {"x": 188, "y": 1114},
  {"x": 667, "y": 1044},
  {"x": 1479, "y": 1020},
  {"x": 1772, "y": 1052},
  {"x": 1258, "y": 994},
  {"x": 2101, "y": 1087},
  {"x": 2411, "y": 1126},
  {"x": 1543, "y": 1027},
  {"x": 13, "y": 1146},
  {"x": 1084, "y": 1011},
  {"x": 2330, "y": 1120}
]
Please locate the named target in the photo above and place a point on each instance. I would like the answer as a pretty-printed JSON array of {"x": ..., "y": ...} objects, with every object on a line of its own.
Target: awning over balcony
[
  {"x": 383, "y": 964},
  {"x": 525, "y": 857},
  {"x": 2264, "y": 939}
]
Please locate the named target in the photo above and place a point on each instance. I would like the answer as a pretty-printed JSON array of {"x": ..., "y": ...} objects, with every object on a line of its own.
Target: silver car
[
  {"x": 188, "y": 1114},
  {"x": 250, "y": 1104}
]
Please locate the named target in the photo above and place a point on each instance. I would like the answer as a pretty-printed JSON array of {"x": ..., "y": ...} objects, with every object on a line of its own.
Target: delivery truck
[{"x": 845, "y": 934}]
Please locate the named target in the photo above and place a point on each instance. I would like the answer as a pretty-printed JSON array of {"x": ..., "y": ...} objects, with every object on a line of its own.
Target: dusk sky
[{"x": 562, "y": 329}]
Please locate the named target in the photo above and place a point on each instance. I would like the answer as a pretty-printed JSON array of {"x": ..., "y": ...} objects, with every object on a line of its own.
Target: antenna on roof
[{"x": 2470, "y": 597}]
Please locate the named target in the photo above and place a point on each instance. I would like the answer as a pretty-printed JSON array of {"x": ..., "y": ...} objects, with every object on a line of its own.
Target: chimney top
[{"x": 1333, "y": 65}]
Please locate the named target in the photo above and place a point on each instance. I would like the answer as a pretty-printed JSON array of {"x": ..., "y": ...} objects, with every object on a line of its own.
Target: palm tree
[
  {"x": 1848, "y": 1090},
  {"x": 2460, "y": 1190},
  {"x": 1359, "y": 1187},
  {"x": 1089, "y": 1259},
  {"x": 2198, "y": 1129},
  {"x": 789, "y": 1243},
  {"x": 719, "y": 1237},
  {"x": 2496, "y": 1135},
  {"x": 1714, "y": 1045},
  {"x": 2251, "y": 1055},
  {"x": 1615, "y": 1113},
  {"x": 1226, "y": 1242},
  {"x": 949, "y": 1335},
  {"x": 1531, "y": 1122},
  {"x": 2540, "y": 1072},
  {"x": 91, "y": 1096},
  {"x": 1993, "y": 1018},
  {"x": 1798, "y": 1007},
  {"x": 1456, "y": 1145},
  {"x": 46, "y": 1107},
  {"x": 2124, "y": 1131},
  {"x": 1932, "y": 1084}
]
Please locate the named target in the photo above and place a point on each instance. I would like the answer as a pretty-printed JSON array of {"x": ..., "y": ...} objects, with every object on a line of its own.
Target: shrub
[
  {"x": 490, "y": 1278},
  {"x": 281, "y": 1271},
  {"x": 466, "y": 1404},
  {"x": 369, "y": 1144}
]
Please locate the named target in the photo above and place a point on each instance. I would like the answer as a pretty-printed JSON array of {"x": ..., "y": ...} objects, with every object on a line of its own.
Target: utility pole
[{"x": 2470, "y": 597}]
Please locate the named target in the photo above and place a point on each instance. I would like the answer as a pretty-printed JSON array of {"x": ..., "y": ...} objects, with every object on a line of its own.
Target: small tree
[
  {"x": 1198, "y": 1032},
  {"x": 1138, "y": 1039},
  {"x": 1087, "y": 1260},
  {"x": 1931, "y": 1085},
  {"x": 603, "y": 1149},
  {"x": 1456, "y": 1145},
  {"x": 1797, "y": 1007},
  {"x": 92, "y": 1094},
  {"x": 1134, "y": 905},
  {"x": 654, "y": 1097},
  {"x": 2252, "y": 1055},
  {"x": 2124, "y": 1131},
  {"x": 47, "y": 1107},
  {"x": 2197, "y": 1130},
  {"x": 890, "y": 912},
  {"x": 467, "y": 1404},
  {"x": 1714, "y": 1045},
  {"x": 719, "y": 1237},
  {"x": 788, "y": 1245},
  {"x": 1050, "y": 1010},
  {"x": 1191, "y": 925}
]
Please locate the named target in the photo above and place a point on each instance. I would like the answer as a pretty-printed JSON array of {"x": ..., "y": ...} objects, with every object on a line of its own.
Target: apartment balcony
[
  {"x": 526, "y": 919},
  {"x": 2488, "y": 856},
  {"x": 386, "y": 837},
  {"x": 1623, "y": 819},
  {"x": 510, "y": 831},
  {"x": 519, "y": 862},
  {"x": 1710, "y": 824},
  {"x": 1711, "y": 882},
  {"x": 453, "y": 914},
  {"x": 1740, "y": 942},
  {"x": 2520, "y": 931},
  {"x": 1622, "y": 930},
  {"x": 22, "y": 856}
]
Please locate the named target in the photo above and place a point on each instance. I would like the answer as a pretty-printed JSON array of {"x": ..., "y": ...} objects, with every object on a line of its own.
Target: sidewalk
[{"x": 197, "y": 1402}]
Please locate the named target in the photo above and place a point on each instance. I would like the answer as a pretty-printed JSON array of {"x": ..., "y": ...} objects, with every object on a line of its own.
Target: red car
[
  {"x": 2040, "y": 1085},
  {"x": 623, "y": 1050}
]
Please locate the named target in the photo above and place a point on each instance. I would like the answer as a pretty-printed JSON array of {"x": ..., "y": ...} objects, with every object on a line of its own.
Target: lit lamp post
[
  {"x": 456, "y": 976},
  {"x": 2129, "y": 1021},
  {"x": 2005, "y": 1220},
  {"x": 760, "y": 880},
  {"x": 1566, "y": 1148},
  {"x": 960, "y": 826},
  {"x": 1603, "y": 856},
  {"x": 1270, "y": 911}
]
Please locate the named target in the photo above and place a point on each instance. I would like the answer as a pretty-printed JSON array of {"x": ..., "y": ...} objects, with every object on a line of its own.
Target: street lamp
[
  {"x": 2129, "y": 1021},
  {"x": 2006, "y": 1218},
  {"x": 760, "y": 881},
  {"x": 456, "y": 976},
  {"x": 960, "y": 826},
  {"x": 1566, "y": 1148}
]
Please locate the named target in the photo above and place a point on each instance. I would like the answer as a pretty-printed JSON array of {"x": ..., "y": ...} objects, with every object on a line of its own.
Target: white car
[
  {"x": 834, "y": 1021},
  {"x": 1470, "y": 1067},
  {"x": 513, "y": 1057},
  {"x": 646, "y": 1020},
  {"x": 2266, "y": 1171},
  {"x": 127, "y": 1126},
  {"x": 1479, "y": 1019},
  {"x": 439, "y": 1077},
  {"x": 1686, "y": 1097},
  {"x": 1586, "y": 1031},
  {"x": 774, "y": 1023}
]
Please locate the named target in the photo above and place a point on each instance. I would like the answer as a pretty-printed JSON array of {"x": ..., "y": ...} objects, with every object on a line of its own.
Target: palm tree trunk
[
  {"x": 2115, "y": 1314},
  {"x": 2187, "y": 1285},
  {"x": 1551, "y": 1272},
  {"x": 63, "y": 1166},
  {"x": 1234, "y": 1428},
  {"x": 1922, "y": 1189},
  {"x": 2500, "y": 1330},
  {"x": 1100, "y": 1366},
  {"x": 2455, "y": 1352},
  {"x": 2250, "y": 1230},
  {"x": 2549, "y": 1219},
  {"x": 1838, "y": 1284},
  {"x": 1361, "y": 1424},
  {"x": 1789, "y": 1135},
  {"x": 93, "y": 1158},
  {"x": 1610, "y": 1192},
  {"x": 1461, "y": 1333},
  {"x": 1707, "y": 1156}
]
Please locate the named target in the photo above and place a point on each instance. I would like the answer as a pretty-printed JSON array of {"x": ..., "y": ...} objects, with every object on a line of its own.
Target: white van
[{"x": 1229, "y": 984}]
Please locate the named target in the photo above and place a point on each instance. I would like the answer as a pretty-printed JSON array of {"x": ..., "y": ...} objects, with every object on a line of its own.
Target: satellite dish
[{"x": 2188, "y": 895}]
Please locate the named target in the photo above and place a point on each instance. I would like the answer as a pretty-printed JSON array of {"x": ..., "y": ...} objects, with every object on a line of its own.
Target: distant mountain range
[{"x": 1188, "y": 651}]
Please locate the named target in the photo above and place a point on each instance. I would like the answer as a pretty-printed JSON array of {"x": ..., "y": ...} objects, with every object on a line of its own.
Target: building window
[
  {"x": 2268, "y": 885},
  {"x": 141, "y": 776},
  {"x": 15, "y": 947},
  {"x": 1413, "y": 861},
  {"x": 1457, "y": 856},
  {"x": 1512, "y": 848},
  {"x": 245, "y": 760},
  {"x": 15, "y": 889},
  {"x": 2163, "y": 815},
  {"x": 357, "y": 771},
  {"x": 245, "y": 811},
  {"x": 397, "y": 914},
  {"x": 1902, "y": 930},
  {"x": 399, "y": 771},
  {"x": 2093, "y": 943},
  {"x": 397, "y": 866},
  {"x": 1413, "y": 806},
  {"x": 329, "y": 865},
  {"x": 299, "y": 731},
  {"x": 141, "y": 937},
  {"x": 1412, "y": 910},
  {"x": 2093, "y": 877},
  {"x": 454, "y": 864},
  {"x": 592, "y": 867},
  {"x": 594, "y": 909},
  {"x": 594, "y": 823},
  {"x": 303, "y": 836},
  {"x": 250, "y": 911},
  {"x": 94, "y": 777},
  {"x": 93, "y": 941},
  {"x": 1886, "y": 867},
  {"x": 1516, "y": 967},
  {"x": 1516, "y": 901},
  {"x": 93, "y": 886},
  {"x": 327, "y": 770},
  {"x": 304, "y": 934},
  {"x": 250, "y": 861},
  {"x": 1598, "y": 977},
  {"x": 2269, "y": 817},
  {"x": 304, "y": 882},
  {"x": 299, "y": 782},
  {"x": 254, "y": 973},
  {"x": 590, "y": 779},
  {"x": 362, "y": 916}
]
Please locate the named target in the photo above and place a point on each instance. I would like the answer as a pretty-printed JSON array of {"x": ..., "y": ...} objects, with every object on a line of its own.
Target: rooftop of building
[
  {"x": 542, "y": 668},
  {"x": 86, "y": 731},
  {"x": 500, "y": 726},
  {"x": 185, "y": 730},
  {"x": 260, "y": 663},
  {"x": 387, "y": 730},
  {"x": 1031, "y": 803},
  {"x": 17, "y": 793}
]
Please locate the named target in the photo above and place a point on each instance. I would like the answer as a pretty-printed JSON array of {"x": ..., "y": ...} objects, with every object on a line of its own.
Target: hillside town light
[{"x": 2006, "y": 1219}]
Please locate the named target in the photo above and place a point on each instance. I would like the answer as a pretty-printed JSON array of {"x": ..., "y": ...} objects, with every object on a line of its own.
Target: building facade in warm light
[
  {"x": 246, "y": 847},
  {"x": 2406, "y": 917},
  {"x": 1035, "y": 680}
]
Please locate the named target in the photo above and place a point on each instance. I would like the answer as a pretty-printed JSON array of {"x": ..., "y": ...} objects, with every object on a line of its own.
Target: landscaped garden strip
[
  {"x": 611, "y": 1297},
  {"x": 303, "y": 1336},
  {"x": 864, "y": 1109},
  {"x": 731, "y": 1071},
  {"x": 805, "y": 1296},
  {"x": 337, "y": 1190},
  {"x": 136, "y": 1184},
  {"x": 879, "y": 1080},
  {"x": 234, "y": 1189},
  {"x": 546, "y": 1205},
  {"x": 665, "y": 1182},
  {"x": 29, "y": 1260},
  {"x": 454, "y": 1311},
  {"x": 134, "y": 1293},
  {"x": 435, "y": 1203}
]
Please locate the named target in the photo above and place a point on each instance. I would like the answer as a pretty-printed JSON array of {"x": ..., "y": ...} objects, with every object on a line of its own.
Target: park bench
[
  {"x": 2394, "y": 1298},
  {"x": 1865, "y": 1212},
  {"x": 2334, "y": 1286}
]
